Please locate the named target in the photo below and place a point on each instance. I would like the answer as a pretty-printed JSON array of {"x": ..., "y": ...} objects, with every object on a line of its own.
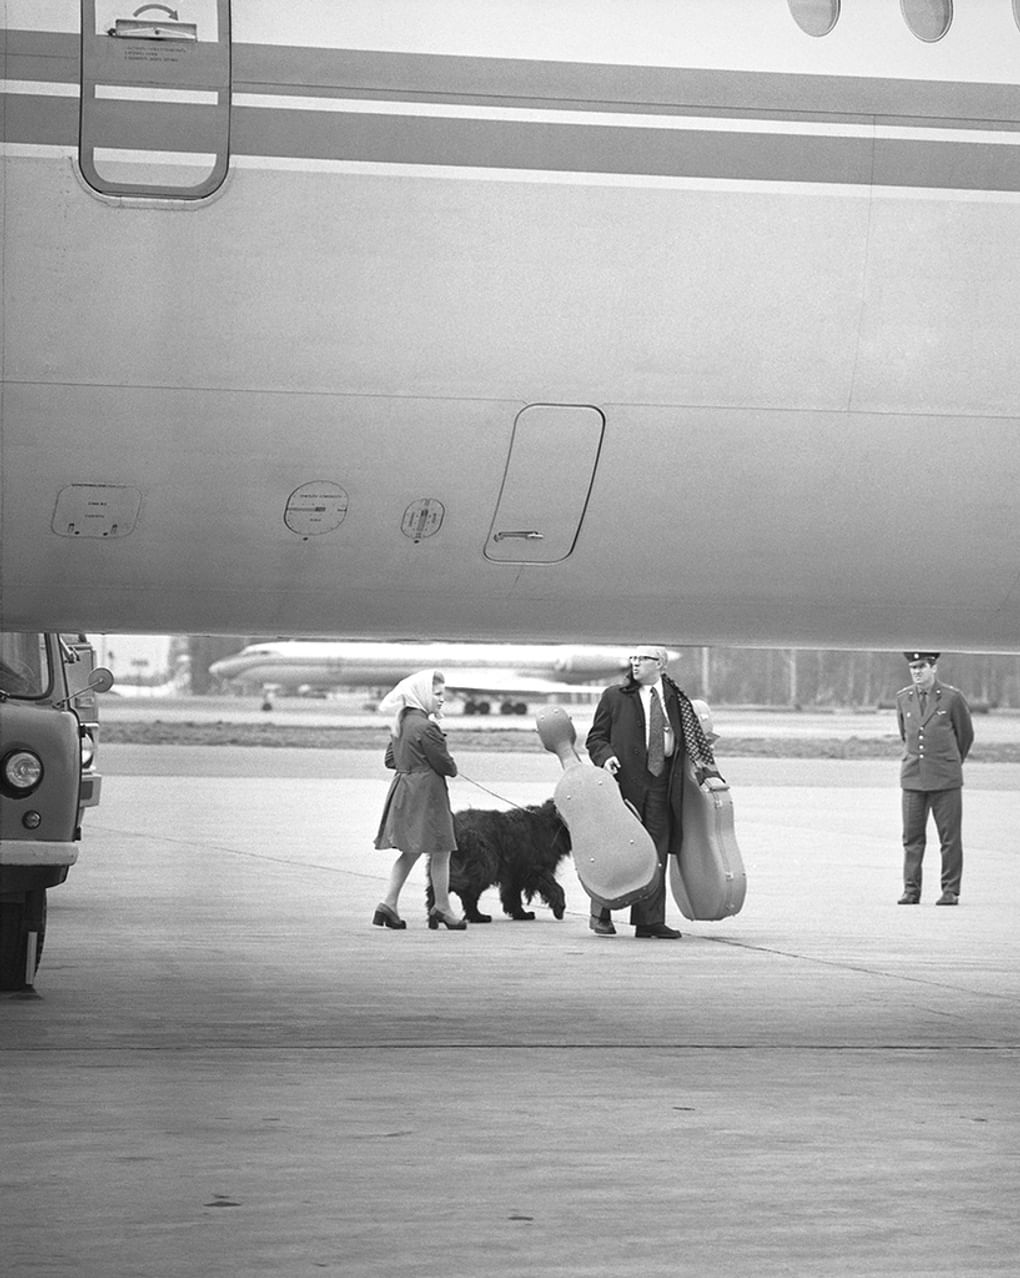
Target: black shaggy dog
[{"x": 517, "y": 850}]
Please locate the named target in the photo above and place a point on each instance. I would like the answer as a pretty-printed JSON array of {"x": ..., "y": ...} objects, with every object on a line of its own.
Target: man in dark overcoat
[
  {"x": 937, "y": 733},
  {"x": 641, "y": 733}
]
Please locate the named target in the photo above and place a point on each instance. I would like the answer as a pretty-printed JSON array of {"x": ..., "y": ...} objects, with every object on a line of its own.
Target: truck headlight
[
  {"x": 88, "y": 748},
  {"x": 22, "y": 770}
]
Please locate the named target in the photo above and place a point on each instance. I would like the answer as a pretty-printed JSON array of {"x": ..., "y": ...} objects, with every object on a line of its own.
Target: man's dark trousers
[{"x": 655, "y": 817}]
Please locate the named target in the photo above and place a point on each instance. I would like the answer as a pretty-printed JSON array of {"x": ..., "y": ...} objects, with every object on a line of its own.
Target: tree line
[{"x": 822, "y": 677}]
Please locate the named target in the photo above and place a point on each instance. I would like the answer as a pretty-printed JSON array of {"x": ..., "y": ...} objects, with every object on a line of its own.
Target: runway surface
[{"x": 228, "y": 1071}]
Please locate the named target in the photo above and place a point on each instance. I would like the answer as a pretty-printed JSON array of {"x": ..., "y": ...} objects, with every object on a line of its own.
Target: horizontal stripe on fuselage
[{"x": 499, "y": 116}]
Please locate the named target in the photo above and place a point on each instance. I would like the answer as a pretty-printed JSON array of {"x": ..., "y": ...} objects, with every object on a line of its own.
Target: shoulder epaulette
[{"x": 908, "y": 688}]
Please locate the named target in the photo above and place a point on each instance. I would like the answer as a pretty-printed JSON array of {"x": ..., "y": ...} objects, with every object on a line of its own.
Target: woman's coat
[{"x": 416, "y": 815}]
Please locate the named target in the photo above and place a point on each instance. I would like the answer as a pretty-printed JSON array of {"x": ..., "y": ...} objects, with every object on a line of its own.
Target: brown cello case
[
  {"x": 707, "y": 879},
  {"x": 613, "y": 853}
]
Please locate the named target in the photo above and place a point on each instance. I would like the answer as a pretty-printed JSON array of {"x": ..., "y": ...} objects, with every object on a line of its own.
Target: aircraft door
[
  {"x": 155, "y": 97},
  {"x": 554, "y": 451}
]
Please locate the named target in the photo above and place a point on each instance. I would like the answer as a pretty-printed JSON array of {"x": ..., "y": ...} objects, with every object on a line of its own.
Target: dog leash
[{"x": 502, "y": 798}]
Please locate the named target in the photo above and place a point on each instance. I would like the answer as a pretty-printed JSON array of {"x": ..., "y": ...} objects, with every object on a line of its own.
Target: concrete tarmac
[{"x": 228, "y": 1071}]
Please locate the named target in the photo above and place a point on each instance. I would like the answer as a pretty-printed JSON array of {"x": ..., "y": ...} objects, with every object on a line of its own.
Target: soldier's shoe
[
  {"x": 948, "y": 898},
  {"x": 909, "y": 898}
]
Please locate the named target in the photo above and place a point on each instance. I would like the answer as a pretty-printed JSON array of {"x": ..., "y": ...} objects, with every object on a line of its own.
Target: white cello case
[
  {"x": 614, "y": 855},
  {"x": 707, "y": 879}
]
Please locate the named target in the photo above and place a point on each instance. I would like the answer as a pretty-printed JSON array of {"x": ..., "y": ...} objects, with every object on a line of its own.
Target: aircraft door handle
[
  {"x": 167, "y": 27},
  {"x": 525, "y": 534}
]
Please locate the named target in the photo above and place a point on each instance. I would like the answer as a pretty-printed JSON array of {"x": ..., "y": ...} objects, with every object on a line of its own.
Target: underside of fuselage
[{"x": 490, "y": 347}]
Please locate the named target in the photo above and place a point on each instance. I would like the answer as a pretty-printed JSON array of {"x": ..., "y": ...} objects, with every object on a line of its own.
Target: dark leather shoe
[
  {"x": 385, "y": 917},
  {"x": 909, "y": 898},
  {"x": 948, "y": 898},
  {"x": 656, "y": 932},
  {"x": 448, "y": 921},
  {"x": 601, "y": 927}
]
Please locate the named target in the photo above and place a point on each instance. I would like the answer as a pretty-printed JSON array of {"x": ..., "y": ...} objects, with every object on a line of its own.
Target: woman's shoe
[
  {"x": 437, "y": 916},
  {"x": 385, "y": 917}
]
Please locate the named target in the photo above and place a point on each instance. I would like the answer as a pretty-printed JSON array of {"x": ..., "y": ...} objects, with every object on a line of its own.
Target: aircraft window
[
  {"x": 929, "y": 20},
  {"x": 815, "y": 17}
]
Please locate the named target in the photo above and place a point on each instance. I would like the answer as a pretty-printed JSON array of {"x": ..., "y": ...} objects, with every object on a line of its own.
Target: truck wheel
[{"x": 17, "y": 920}]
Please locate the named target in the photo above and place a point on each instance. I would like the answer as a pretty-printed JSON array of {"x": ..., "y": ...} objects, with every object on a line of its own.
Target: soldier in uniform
[{"x": 936, "y": 730}]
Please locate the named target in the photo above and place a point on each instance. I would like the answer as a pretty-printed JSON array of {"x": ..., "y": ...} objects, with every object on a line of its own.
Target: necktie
[
  {"x": 923, "y": 698},
  {"x": 656, "y": 737}
]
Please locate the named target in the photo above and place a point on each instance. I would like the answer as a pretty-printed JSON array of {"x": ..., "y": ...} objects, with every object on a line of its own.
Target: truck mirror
[{"x": 100, "y": 679}]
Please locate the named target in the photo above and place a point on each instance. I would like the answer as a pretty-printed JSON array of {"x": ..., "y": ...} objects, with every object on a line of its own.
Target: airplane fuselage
[
  {"x": 420, "y": 320},
  {"x": 294, "y": 664}
]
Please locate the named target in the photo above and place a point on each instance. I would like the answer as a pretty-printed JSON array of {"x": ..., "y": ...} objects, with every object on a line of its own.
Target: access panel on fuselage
[{"x": 553, "y": 454}]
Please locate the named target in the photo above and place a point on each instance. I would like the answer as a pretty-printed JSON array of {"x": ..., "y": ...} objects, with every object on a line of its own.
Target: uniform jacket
[
  {"x": 619, "y": 728},
  {"x": 933, "y": 748},
  {"x": 416, "y": 815}
]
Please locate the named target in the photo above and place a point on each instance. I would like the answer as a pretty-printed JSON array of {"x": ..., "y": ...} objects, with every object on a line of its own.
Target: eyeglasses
[{"x": 643, "y": 656}]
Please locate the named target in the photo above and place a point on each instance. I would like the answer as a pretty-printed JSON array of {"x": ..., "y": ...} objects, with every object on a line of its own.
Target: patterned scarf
[{"x": 695, "y": 741}]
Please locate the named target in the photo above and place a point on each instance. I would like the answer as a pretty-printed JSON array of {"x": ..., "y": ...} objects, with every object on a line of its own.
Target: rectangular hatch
[
  {"x": 155, "y": 98},
  {"x": 554, "y": 451}
]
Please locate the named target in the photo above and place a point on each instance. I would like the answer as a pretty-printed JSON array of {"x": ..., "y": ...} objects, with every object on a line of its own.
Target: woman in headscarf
[{"x": 416, "y": 817}]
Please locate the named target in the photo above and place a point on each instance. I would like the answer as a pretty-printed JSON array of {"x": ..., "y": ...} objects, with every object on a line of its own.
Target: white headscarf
[{"x": 416, "y": 691}]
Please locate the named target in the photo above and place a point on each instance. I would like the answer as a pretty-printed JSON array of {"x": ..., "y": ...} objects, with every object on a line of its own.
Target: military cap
[{"x": 930, "y": 657}]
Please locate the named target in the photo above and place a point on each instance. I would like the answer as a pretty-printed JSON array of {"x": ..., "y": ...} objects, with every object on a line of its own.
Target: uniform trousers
[{"x": 947, "y": 808}]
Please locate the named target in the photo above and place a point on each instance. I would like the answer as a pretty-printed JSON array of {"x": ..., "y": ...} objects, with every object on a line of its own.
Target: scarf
[
  {"x": 695, "y": 741},
  {"x": 413, "y": 693}
]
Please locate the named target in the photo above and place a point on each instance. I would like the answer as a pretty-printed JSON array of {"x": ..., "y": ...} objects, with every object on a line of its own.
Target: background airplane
[
  {"x": 426, "y": 320},
  {"x": 480, "y": 673}
]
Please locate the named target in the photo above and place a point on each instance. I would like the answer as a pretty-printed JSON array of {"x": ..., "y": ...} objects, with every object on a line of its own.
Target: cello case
[
  {"x": 613, "y": 853},
  {"x": 707, "y": 879}
]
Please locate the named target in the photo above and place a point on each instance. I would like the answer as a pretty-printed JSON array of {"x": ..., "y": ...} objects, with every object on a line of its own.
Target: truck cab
[{"x": 48, "y": 777}]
